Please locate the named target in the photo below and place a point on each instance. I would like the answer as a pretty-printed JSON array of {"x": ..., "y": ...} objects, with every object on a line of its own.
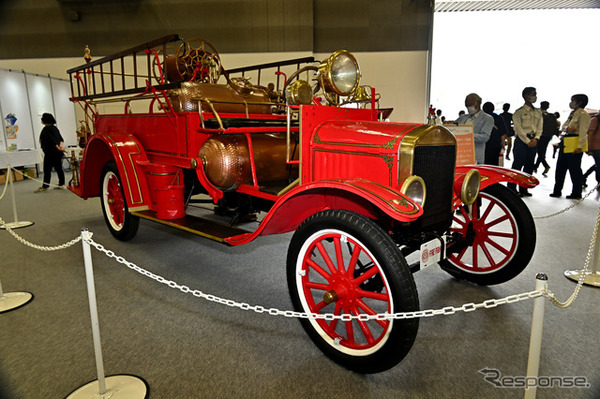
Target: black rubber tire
[
  {"x": 524, "y": 245},
  {"x": 126, "y": 230},
  {"x": 392, "y": 280}
]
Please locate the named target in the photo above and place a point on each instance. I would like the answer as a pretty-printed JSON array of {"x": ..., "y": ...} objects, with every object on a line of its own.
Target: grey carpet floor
[{"x": 186, "y": 347}]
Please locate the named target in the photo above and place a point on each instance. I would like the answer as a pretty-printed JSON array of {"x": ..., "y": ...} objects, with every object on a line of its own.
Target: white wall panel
[
  {"x": 65, "y": 111},
  {"x": 13, "y": 100},
  {"x": 40, "y": 101}
]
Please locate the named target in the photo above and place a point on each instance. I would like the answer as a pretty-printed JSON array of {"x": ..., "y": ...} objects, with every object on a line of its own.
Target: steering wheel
[{"x": 198, "y": 61}]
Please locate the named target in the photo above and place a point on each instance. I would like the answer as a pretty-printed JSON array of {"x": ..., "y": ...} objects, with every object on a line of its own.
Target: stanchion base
[
  {"x": 14, "y": 300},
  {"x": 591, "y": 278},
  {"x": 17, "y": 225},
  {"x": 117, "y": 387}
]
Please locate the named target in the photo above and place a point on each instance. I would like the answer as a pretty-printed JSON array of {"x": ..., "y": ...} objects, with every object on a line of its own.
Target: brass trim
[
  {"x": 465, "y": 196},
  {"x": 424, "y": 135},
  {"x": 139, "y": 208},
  {"x": 289, "y": 187},
  {"x": 387, "y": 145},
  {"x": 397, "y": 201},
  {"x": 177, "y": 226},
  {"x": 410, "y": 181},
  {"x": 325, "y": 78},
  {"x": 129, "y": 154},
  {"x": 389, "y": 160}
]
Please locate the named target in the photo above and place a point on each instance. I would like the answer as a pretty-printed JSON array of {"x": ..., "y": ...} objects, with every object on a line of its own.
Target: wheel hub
[
  {"x": 342, "y": 291},
  {"x": 330, "y": 297}
]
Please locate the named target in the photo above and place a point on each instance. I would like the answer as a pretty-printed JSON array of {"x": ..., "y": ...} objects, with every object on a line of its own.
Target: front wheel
[
  {"x": 498, "y": 238},
  {"x": 122, "y": 224},
  {"x": 342, "y": 263}
]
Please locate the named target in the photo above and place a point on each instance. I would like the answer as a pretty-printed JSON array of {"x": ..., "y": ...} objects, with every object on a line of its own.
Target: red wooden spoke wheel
[
  {"x": 499, "y": 234},
  {"x": 343, "y": 264},
  {"x": 120, "y": 222}
]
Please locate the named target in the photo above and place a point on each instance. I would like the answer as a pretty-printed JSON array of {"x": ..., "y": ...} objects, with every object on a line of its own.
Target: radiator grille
[{"x": 435, "y": 165}]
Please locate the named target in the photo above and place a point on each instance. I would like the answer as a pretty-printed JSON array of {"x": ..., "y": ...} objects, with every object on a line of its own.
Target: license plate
[{"x": 432, "y": 252}]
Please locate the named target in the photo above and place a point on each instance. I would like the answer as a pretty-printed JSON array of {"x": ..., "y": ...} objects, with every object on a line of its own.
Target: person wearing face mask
[
  {"x": 577, "y": 125},
  {"x": 528, "y": 123},
  {"x": 482, "y": 124}
]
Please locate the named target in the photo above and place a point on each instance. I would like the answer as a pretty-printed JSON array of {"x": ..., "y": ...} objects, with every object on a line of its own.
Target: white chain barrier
[
  {"x": 35, "y": 246},
  {"x": 573, "y": 205},
  {"x": 448, "y": 310},
  {"x": 584, "y": 272}
]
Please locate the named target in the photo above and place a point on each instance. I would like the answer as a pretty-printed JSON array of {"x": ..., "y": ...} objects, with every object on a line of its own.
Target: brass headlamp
[
  {"x": 339, "y": 75},
  {"x": 414, "y": 188}
]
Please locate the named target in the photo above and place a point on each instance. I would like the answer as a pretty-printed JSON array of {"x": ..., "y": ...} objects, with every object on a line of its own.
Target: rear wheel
[
  {"x": 342, "y": 263},
  {"x": 500, "y": 233},
  {"x": 122, "y": 225}
]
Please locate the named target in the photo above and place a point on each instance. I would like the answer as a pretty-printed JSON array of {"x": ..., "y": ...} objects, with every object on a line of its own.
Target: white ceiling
[{"x": 500, "y": 5}]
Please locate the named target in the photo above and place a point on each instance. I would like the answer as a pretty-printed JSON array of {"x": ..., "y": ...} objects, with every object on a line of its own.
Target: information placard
[{"x": 465, "y": 143}]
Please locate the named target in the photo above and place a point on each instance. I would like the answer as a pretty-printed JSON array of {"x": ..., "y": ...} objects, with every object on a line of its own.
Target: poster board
[
  {"x": 24, "y": 97},
  {"x": 465, "y": 143},
  {"x": 17, "y": 129}
]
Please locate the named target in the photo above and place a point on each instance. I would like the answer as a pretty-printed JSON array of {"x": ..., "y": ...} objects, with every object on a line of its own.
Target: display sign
[
  {"x": 432, "y": 252},
  {"x": 11, "y": 131},
  {"x": 465, "y": 143}
]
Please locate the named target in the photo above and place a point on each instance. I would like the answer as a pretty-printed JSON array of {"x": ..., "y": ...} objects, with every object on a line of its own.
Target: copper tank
[
  {"x": 223, "y": 97},
  {"x": 226, "y": 160}
]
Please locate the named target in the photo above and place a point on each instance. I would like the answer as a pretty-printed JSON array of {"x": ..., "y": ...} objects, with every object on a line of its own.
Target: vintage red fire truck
[{"x": 307, "y": 152}]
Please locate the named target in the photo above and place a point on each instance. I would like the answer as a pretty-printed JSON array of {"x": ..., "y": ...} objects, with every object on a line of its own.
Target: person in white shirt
[
  {"x": 528, "y": 123},
  {"x": 576, "y": 126},
  {"x": 482, "y": 124}
]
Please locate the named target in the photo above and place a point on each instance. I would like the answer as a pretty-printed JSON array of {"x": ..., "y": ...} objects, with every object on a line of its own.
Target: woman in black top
[{"x": 51, "y": 142}]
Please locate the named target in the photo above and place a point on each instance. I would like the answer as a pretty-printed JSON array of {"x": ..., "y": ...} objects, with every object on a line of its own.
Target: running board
[{"x": 196, "y": 225}]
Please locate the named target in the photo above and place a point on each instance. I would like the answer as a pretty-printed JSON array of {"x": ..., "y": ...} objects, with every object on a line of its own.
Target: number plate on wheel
[{"x": 433, "y": 251}]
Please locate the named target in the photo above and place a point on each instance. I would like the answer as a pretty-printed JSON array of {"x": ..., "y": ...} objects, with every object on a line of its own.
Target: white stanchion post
[
  {"x": 535, "y": 340},
  {"x": 89, "y": 278},
  {"x": 115, "y": 386},
  {"x": 16, "y": 224},
  {"x": 591, "y": 277}
]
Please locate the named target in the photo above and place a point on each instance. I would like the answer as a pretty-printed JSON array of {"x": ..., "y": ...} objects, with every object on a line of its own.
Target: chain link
[
  {"x": 23, "y": 241},
  {"x": 550, "y": 295},
  {"x": 570, "y": 206},
  {"x": 448, "y": 310}
]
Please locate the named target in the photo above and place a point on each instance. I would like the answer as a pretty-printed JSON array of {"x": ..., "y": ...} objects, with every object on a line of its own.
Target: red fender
[
  {"x": 129, "y": 156},
  {"x": 496, "y": 174},
  {"x": 361, "y": 196},
  {"x": 492, "y": 175}
]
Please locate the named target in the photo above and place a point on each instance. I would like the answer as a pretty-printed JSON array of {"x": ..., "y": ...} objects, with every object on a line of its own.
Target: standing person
[
  {"x": 510, "y": 132},
  {"x": 493, "y": 147},
  {"x": 438, "y": 117},
  {"x": 549, "y": 130},
  {"x": 577, "y": 125},
  {"x": 482, "y": 124},
  {"x": 594, "y": 148},
  {"x": 555, "y": 147},
  {"x": 52, "y": 144},
  {"x": 527, "y": 122}
]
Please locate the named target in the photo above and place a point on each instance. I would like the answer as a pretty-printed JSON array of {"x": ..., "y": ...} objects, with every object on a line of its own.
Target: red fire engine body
[{"x": 362, "y": 195}]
